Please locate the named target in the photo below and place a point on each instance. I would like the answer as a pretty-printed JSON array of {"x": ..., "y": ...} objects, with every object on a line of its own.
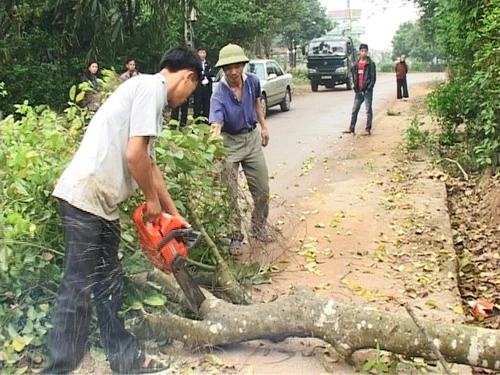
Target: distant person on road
[
  {"x": 364, "y": 75},
  {"x": 115, "y": 158},
  {"x": 204, "y": 90},
  {"x": 401, "y": 70},
  {"x": 235, "y": 112},
  {"x": 131, "y": 70}
]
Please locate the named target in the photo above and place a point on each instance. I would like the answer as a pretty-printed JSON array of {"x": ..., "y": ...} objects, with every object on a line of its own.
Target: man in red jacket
[
  {"x": 364, "y": 76},
  {"x": 401, "y": 70}
]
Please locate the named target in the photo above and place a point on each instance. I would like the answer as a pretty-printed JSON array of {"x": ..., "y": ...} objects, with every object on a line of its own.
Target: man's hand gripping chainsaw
[{"x": 166, "y": 244}]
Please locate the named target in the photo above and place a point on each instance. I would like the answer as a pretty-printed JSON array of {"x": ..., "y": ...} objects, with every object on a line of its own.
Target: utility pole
[
  {"x": 189, "y": 18},
  {"x": 349, "y": 27}
]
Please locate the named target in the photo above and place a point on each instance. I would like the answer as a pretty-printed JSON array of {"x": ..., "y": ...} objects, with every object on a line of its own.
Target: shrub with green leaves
[
  {"x": 467, "y": 32},
  {"x": 414, "y": 137},
  {"x": 300, "y": 76},
  {"x": 37, "y": 144}
]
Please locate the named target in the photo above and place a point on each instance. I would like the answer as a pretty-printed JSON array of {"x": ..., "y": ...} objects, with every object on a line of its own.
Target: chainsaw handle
[
  {"x": 185, "y": 235},
  {"x": 138, "y": 216}
]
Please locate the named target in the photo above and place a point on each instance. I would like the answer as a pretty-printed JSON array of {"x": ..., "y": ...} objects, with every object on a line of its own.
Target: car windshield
[
  {"x": 257, "y": 69},
  {"x": 327, "y": 47}
]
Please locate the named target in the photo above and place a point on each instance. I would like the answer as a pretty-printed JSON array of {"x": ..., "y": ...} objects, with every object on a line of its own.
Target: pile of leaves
[{"x": 475, "y": 219}]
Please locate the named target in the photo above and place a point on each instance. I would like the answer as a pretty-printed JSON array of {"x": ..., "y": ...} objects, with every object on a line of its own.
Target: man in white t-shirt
[{"x": 115, "y": 157}]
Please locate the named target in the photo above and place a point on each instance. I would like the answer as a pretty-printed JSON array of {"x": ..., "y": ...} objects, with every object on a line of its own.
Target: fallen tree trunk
[{"x": 346, "y": 327}]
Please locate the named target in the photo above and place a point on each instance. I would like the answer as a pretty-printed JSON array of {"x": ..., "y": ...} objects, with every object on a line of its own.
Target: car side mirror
[{"x": 272, "y": 76}]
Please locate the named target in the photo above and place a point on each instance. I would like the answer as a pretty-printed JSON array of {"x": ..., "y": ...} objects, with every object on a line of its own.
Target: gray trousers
[{"x": 246, "y": 149}]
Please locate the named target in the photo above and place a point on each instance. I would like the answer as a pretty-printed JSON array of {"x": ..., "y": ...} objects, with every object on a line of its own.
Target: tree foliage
[
  {"x": 411, "y": 40},
  {"x": 44, "y": 46},
  {"x": 467, "y": 34}
]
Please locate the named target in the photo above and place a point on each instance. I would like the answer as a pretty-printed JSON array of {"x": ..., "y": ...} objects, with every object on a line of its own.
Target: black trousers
[
  {"x": 91, "y": 266},
  {"x": 174, "y": 115},
  {"x": 402, "y": 87},
  {"x": 202, "y": 97}
]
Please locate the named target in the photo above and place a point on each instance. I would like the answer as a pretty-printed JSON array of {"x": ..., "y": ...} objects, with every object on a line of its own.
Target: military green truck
[{"x": 329, "y": 61}]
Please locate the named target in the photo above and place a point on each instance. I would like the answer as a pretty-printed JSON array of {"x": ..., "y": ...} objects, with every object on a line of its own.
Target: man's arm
[
  {"x": 262, "y": 122},
  {"x": 166, "y": 200},
  {"x": 216, "y": 116},
  {"x": 140, "y": 167}
]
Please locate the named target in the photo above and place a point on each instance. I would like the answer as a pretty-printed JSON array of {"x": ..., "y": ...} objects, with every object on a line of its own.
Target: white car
[{"x": 276, "y": 85}]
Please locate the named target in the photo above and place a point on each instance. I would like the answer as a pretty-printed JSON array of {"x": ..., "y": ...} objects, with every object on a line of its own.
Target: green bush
[
  {"x": 386, "y": 68},
  {"x": 467, "y": 33},
  {"x": 37, "y": 144},
  {"x": 300, "y": 76},
  {"x": 34, "y": 150},
  {"x": 414, "y": 137}
]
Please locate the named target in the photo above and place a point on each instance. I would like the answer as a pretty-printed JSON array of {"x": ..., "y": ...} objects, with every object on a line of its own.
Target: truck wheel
[{"x": 314, "y": 87}]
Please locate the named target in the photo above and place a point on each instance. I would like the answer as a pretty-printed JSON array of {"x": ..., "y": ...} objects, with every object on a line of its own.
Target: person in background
[
  {"x": 92, "y": 100},
  {"x": 183, "y": 111},
  {"x": 203, "y": 92},
  {"x": 364, "y": 75},
  {"x": 401, "y": 70},
  {"x": 131, "y": 70},
  {"x": 116, "y": 156},
  {"x": 236, "y": 112},
  {"x": 90, "y": 74}
]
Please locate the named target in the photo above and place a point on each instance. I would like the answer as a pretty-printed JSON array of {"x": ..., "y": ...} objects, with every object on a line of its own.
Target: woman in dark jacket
[
  {"x": 92, "y": 98},
  {"x": 90, "y": 75}
]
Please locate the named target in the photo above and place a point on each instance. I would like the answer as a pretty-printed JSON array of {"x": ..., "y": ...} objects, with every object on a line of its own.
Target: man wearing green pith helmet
[{"x": 235, "y": 113}]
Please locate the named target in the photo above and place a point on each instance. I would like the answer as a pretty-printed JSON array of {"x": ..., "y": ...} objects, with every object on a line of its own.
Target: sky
[{"x": 380, "y": 18}]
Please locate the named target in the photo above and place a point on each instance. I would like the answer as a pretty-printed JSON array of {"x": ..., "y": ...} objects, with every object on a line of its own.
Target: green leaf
[
  {"x": 21, "y": 370},
  {"x": 155, "y": 300},
  {"x": 18, "y": 344},
  {"x": 80, "y": 96},
  {"x": 368, "y": 365},
  {"x": 136, "y": 305},
  {"x": 179, "y": 154},
  {"x": 72, "y": 93},
  {"x": 127, "y": 237}
]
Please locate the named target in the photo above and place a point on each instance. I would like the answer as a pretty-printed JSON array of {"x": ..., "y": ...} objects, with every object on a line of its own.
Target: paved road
[{"x": 316, "y": 119}]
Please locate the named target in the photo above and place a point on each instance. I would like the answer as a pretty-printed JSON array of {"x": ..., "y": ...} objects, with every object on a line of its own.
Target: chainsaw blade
[{"x": 192, "y": 291}]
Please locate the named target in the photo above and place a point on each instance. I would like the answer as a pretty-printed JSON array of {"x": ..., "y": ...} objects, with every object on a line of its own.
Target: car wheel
[
  {"x": 263, "y": 103},
  {"x": 314, "y": 87},
  {"x": 285, "y": 104}
]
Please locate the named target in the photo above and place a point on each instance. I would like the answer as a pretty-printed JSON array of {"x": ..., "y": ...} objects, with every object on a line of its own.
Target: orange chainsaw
[{"x": 166, "y": 244}]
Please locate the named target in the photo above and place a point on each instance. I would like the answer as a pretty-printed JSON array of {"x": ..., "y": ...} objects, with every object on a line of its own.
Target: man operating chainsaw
[{"x": 115, "y": 157}]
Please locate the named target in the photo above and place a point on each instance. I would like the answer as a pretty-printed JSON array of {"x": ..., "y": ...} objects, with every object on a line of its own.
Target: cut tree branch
[
  {"x": 347, "y": 327},
  {"x": 424, "y": 331}
]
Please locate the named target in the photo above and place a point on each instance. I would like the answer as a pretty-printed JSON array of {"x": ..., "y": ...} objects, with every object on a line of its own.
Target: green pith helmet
[{"x": 231, "y": 54}]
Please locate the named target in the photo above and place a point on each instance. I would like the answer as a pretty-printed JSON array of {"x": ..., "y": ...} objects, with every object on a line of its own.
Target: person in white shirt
[{"x": 116, "y": 157}]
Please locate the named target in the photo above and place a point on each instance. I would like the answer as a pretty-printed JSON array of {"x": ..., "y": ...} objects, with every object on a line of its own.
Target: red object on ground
[{"x": 481, "y": 308}]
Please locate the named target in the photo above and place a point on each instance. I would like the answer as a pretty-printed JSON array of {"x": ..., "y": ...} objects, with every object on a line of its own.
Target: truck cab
[{"x": 329, "y": 62}]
